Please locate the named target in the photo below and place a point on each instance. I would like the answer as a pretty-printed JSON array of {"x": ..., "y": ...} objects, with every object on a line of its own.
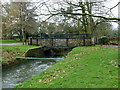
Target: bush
[
  {"x": 103, "y": 40},
  {"x": 2, "y": 60}
]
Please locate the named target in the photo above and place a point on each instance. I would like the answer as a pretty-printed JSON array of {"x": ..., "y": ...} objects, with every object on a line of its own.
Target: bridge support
[
  {"x": 30, "y": 41},
  {"x": 37, "y": 41}
]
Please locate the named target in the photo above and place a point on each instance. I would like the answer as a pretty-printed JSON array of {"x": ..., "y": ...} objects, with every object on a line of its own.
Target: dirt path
[{"x": 108, "y": 45}]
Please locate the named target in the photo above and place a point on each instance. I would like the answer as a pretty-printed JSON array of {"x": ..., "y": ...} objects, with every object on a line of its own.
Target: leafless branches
[
  {"x": 76, "y": 7},
  {"x": 112, "y": 8}
]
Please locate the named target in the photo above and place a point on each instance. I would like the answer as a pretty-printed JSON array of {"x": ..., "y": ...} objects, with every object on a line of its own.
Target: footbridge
[{"x": 61, "y": 40}]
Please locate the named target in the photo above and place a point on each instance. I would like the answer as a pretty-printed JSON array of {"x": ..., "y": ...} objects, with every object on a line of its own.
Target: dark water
[{"x": 18, "y": 74}]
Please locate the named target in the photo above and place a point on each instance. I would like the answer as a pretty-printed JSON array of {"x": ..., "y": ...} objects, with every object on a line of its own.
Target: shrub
[
  {"x": 103, "y": 40},
  {"x": 2, "y": 60}
]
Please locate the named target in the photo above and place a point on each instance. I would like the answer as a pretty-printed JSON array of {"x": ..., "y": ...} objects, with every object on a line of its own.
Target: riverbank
[
  {"x": 85, "y": 67},
  {"x": 9, "y": 52},
  {"x": 19, "y": 73}
]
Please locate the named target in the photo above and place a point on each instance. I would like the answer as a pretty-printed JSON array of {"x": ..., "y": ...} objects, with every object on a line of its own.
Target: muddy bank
[
  {"x": 13, "y": 62},
  {"x": 10, "y": 60}
]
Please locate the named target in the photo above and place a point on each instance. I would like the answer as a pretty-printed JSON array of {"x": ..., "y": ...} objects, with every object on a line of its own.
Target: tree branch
[
  {"x": 113, "y": 7},
  {"x": 85, "y": 14}
]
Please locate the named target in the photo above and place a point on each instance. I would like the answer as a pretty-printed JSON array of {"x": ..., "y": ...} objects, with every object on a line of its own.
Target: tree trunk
[{"x": 21, "y": 24}]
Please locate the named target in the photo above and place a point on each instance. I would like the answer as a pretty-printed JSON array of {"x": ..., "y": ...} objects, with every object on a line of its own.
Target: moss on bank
[{"x": 85, "y": 67}]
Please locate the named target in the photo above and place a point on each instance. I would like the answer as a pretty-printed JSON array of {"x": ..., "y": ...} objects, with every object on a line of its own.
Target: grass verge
[
  {"x": 85, "y": 67},
  {"x": 10, "y": 52},
  {"x": 10, "y": 41}
]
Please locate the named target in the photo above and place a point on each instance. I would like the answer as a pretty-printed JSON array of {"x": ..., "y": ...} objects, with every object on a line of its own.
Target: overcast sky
[{"x": 109, "y": 4}]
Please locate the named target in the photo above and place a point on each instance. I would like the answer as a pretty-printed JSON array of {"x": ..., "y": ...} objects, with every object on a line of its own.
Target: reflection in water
[{"x": 18, "y": 74}]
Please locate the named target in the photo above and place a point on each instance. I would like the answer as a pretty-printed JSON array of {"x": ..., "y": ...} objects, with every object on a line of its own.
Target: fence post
[
  {"x": 30, "y": 40},
  {"x": 96, "y": 40},
  {"x": 90, "y": 41},
  {"x": 37, "y": 41},
  {"x": 52, "y": 42},
  {"x": 83, "y": 40}
]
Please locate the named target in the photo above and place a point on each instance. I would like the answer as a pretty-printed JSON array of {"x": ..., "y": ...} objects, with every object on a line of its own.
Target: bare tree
[
  {"x": 83, "y": 12},
  {"x": 19, "y": 17}
]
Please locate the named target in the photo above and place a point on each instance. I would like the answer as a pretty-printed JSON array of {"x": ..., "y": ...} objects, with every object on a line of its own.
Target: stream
[{"x": 18, "y": 74}]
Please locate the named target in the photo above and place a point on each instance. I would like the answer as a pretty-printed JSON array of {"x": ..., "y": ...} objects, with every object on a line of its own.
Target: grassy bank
[
  {"x": 85, "y": 67},
  {"x": 10, "y": 41},
  {"x": 10, "y": 52}
]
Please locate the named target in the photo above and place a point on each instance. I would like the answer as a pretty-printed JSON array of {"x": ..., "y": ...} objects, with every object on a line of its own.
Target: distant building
[{"x": 15, "y": 36}]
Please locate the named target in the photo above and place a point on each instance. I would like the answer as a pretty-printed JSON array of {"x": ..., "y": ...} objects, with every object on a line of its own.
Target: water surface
[{"x": 18, "y": 74}]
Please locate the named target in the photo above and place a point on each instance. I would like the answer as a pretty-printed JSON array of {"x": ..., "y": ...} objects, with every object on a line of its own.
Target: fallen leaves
[
  {"x": 52, "y": 75},
  {"x": 61, "y": 76},
  {"x": 45, "y": 82},
  {"x": 72, "y": 66},
  {"x": 113, "y": 63},
  {"x": 76, "y": 58},
  {"x": 63, "y": 71},
  {"x": 93, "y": 48},
  {"x": 40, "y": 80},
  {"x": 80, "y": 53}
]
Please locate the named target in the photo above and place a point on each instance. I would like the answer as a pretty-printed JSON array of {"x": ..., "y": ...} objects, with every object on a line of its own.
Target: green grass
[
  {"x": 10, "y": 41},
  {"x": 18, "y": 50},
  {"x": 9, "y": 52},
  {"x": 85, "y": 67}
]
